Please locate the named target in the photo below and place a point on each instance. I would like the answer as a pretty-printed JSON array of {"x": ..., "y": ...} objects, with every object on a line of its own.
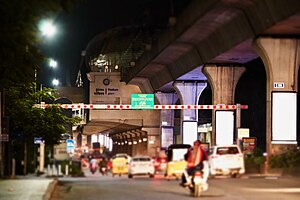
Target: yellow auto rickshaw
[
  {"x": 120, "y": 164},
  {"x": 176, "y": 162}
]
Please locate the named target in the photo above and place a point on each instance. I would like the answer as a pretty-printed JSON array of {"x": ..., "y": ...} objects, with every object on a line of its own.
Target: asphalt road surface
[{"x": 144, "y": 188}]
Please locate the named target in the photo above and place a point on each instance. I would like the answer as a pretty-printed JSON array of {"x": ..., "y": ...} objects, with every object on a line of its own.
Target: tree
[
  {"x": 28, "y": 121},
  {"x": 20, "y": 57}
]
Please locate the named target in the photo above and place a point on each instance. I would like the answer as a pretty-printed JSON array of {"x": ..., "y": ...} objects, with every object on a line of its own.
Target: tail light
[
  {"x": 198, "y": 174},
  {"x": 156, "y": 163}
]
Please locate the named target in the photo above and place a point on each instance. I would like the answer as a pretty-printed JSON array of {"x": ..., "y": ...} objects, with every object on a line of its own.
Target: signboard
[
  {"x": 284, "y": 117},
  {"x": 278, "y": 84},
  {"x": 70, "y": 146},
  {"x": 249, "y": 144},
  {"x": 224, "y": 127},
  {"x": 243, "y": 132},
  {"x": 142, "y": 101},
  {"x": 61, "y": 152},
  {"x": 166, "y": 136}
]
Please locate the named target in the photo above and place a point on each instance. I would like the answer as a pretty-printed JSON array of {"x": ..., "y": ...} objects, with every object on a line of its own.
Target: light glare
[
  {"x": 52, "y": 63},
  {"x": 47, "y": 28},
  {"x": 55, "y": 82}
]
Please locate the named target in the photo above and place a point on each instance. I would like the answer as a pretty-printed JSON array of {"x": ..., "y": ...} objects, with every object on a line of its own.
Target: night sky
[{"x": 86, "y": 21}]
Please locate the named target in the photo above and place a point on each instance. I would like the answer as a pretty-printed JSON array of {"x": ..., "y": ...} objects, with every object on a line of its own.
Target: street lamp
[
  {"x": 55, "y": 82},
  {"x": 47, "y": 28},
  {"x": 52, "y": 63}
]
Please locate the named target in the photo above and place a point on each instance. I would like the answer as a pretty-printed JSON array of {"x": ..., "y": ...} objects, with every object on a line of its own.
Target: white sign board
[
  {"x": 224, "y": 127},
  {"x": 284, "y": 117},
  {"x": 278, "y": 84},
  {"x": 190, "y": 132}
]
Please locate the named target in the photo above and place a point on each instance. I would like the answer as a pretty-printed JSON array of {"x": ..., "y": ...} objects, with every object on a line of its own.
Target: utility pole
[{"x": 238, "y": 123}]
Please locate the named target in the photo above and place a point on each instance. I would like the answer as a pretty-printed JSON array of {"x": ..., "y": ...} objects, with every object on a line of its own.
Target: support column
[
  {"x": 223, "y": 80},
  {"x": 189, "y": 94},
  {"x": 153, "y": 140},
  {"x": 166, "y": 118},
  {"x": 281, "y": 60}
]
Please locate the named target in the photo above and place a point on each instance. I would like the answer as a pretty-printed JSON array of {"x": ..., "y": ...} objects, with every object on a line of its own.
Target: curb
[
  {"x": 266, "y": 176},
  {"x": 50, "y": 190}
]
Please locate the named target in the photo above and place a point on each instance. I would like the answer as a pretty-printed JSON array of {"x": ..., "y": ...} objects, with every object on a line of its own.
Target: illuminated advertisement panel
[
  {"x": 224, "y": 127},
  {"x": 284, "y": 117},
  {"x": 190, "y": 132},
  {"x": 166, "y": 136}
]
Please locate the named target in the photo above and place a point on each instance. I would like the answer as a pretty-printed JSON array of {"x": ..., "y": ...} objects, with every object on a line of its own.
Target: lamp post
[
  {"x": 52, "y": 63},
  {"x": 55, "y": 82},
  {"x": 48, "y": 30}
]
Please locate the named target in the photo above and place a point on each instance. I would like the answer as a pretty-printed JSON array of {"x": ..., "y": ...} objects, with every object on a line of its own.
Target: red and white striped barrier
[{"x": 128, "y": 107}]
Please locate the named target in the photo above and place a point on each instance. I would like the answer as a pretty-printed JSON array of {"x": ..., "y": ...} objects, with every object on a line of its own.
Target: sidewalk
[{"x": 28, "y": 187}]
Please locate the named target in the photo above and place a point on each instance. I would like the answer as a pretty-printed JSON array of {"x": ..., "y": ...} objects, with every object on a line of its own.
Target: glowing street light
[
  {"x": 52, "y": 63},
  {"x": 55, "y": 82},
  {"x": 47, "y": 28}
]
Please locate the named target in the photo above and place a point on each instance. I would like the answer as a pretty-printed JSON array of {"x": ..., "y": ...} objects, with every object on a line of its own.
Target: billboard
[
  {"x": 190, "y": 132},
  {"x": 166, "y": 136},
  {"x": 284, "y": 117},
  {"x": 224, "y": 127}
]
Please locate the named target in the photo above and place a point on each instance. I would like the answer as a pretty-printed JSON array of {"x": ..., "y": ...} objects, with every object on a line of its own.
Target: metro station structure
[{"x": 208, "y": 43}]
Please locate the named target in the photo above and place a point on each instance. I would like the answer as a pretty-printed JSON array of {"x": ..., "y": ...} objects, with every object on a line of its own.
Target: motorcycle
[
  {"x": 198, "y": 184},
  {"x": 103, "y": 170},
  {"x": 93, "y": 167},
  {"x": 198, "y": 181}
]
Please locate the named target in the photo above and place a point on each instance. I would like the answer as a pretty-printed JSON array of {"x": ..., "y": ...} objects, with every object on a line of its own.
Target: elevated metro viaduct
[{"x": 209, "y": 42}]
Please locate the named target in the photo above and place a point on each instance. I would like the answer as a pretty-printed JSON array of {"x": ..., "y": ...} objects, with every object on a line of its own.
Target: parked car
[
  {"x": 226, "y": 160},
  {"x": 141, "y": 165}
]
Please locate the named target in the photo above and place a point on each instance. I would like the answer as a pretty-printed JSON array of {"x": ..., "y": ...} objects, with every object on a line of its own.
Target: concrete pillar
[
  {"x": 153, "y": 140},
  {"x": 166, "y": 118},
  {"x": 281, "y": 60},
  {"x": 89, "y": 141},
  {"x": 223, "y": 81},
  {"x": 189, "y": 94},
  {"x": 42, "y": 157}
]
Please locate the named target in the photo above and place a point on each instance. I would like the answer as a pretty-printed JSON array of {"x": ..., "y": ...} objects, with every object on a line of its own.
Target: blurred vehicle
[
  {"x": 109, "y": 165},
  {"x": 199, "y": 180},
  {"x": 122, "y": 155},
  {"x": 226, "y": 160},
  {"x": 93, "y": 165},
  {"x": 141, "y": 165},
  {"x": 103, "y": 166},
  {"x": 120, "y": 164},
  {"x": 160, "y": 164},
  {"x": 176, "y": 163}
]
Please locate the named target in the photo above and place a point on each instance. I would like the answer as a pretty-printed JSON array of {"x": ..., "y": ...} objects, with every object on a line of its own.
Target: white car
[
  {"x": 226, "y": 160},
  {"x": 141, "y": 165}
]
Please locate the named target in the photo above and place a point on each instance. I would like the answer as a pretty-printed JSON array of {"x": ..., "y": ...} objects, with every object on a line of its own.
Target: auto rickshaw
[
  {"x": 120, "y": 164},
  {"x": 176, "y": 162}
]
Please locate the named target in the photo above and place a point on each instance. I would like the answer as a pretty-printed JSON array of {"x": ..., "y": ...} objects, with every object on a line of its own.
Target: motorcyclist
[
  {"x": 195, "y": 157},
  {"x": 103, "y": 166},
  {"x": 93, "y": 165}
]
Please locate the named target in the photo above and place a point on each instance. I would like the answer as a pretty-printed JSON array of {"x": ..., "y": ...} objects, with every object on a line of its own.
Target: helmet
[{"x": 197, "y": 141}]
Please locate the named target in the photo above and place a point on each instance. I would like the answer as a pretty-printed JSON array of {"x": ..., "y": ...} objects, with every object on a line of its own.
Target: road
[{"x": 158, "y": 188}]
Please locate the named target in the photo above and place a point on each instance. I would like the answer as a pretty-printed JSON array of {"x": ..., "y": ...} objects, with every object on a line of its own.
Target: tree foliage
[{"x": 30, "y": 121}]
